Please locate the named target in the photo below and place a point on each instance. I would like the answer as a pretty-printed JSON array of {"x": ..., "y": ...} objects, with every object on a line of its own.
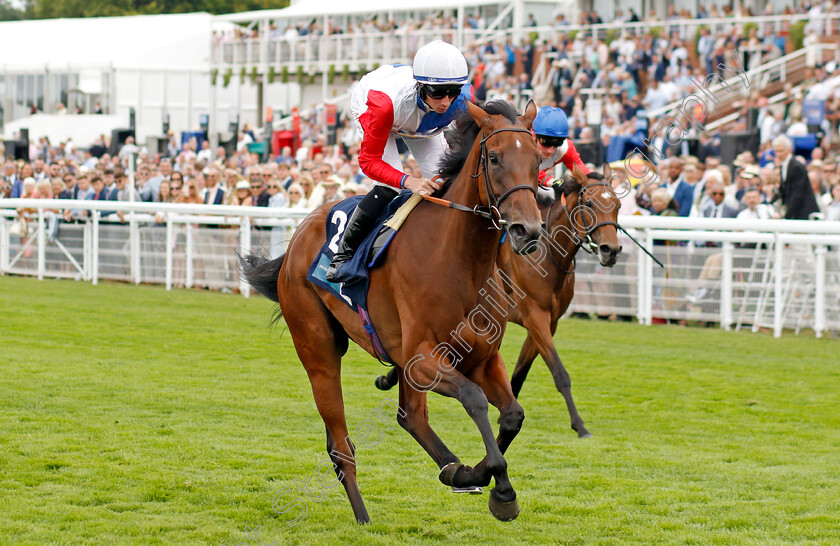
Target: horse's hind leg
[
  {"x": 318, "y": 346},
  {"x": 385, "y": 382}
]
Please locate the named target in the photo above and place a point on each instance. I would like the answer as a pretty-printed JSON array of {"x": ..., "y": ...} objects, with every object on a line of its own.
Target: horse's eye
[{"x": 494, "y": 159}]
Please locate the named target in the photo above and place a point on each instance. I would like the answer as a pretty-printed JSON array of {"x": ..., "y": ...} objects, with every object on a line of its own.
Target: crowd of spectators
[
  {"x": 475, "y": 20},
  {"x": 631, "y": 71},
  {"x": 688, "y": 187}
]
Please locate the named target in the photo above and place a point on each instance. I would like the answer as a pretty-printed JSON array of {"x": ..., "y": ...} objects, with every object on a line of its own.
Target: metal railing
[{"x": 763, "y": 274}]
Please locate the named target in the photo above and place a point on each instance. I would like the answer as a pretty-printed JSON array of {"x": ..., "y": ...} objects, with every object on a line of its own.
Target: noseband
[
  {"x": 493, "y": 202},
  {"x": 584, "y": 241}
]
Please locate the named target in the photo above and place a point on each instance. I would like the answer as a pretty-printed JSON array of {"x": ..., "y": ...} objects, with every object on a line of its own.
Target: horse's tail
[{"x": 262, "y": 273}]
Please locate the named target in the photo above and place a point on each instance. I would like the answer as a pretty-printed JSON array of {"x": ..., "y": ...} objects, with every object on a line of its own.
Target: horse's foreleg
[
  {"x": 523, "y": 365},
  {"x": 414, "y": 418},
  {"x": 538, "y": 323},
  {"x": 424, "y": 375},
  {"x": 492, "y": 379}
]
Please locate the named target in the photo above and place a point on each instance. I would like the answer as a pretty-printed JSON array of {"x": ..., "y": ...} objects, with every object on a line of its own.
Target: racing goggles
[
  {"x": 550, "y": 142},
  {"x": 438, "y": 92}
]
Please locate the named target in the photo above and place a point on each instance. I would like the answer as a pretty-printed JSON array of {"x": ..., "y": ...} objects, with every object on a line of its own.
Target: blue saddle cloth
[{"x": 354, "y": 274}]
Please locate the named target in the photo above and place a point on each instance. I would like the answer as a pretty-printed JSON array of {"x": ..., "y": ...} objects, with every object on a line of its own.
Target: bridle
[
  {"x": 583, "y": 240},
  {"x": 491, "y": 211},
  {"x": 586, "y": 242}
]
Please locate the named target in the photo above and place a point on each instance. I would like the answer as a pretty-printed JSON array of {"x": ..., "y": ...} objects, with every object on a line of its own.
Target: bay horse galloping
[
  {"x": 586, "y": 218},
  {"x": 423, "y": 302}
]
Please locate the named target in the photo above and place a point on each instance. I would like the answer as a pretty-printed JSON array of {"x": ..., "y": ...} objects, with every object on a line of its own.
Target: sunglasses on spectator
[
  {"x": 176, "y": 188},
  {"x": 440, "y": 91},
  {"x": 550, "y": 142},
  {"x": 267, "y": 175},
  {"x": 325, "y": 171},
  {"x": 274, "y": 187},
  {"x": 716, "y": 193},
  {"x": 294, "y": 193},
  {"x": 255, "y": 186}
]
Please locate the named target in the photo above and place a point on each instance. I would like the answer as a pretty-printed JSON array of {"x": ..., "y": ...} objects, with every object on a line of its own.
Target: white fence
[
  {"x": 171, "y": 244},
  {"x": 763, "y": 274}
]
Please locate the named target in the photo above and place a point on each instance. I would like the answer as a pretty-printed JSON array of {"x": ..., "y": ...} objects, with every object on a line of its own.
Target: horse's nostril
[
  {"x": 518, "y": 231},
  {"x": 610, "y": 251}
]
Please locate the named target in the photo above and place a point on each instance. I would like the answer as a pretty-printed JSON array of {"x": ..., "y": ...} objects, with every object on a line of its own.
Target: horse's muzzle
[
  {"x": 524, "y": 238},
  {"x": 608, "y": 254}
]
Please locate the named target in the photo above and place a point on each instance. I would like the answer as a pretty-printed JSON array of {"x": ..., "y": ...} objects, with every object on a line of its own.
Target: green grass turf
[{"x": 135, "y": 415}]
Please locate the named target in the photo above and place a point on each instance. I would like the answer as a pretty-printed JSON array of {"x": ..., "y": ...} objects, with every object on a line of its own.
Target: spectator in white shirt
[
  {"x": 206, "y": 154},
  {"x": 756, "y": 210},
  {"x": 797, "y": 128},
  {"x": 833, "y": 209}
]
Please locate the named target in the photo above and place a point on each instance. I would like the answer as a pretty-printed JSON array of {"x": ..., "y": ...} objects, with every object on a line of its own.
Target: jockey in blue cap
[
  {"x": 412, "y": 102},
  {"x": 551, "y": 129}
]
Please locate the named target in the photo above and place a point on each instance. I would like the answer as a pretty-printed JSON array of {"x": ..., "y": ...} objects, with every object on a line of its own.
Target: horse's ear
[
  {"x": 607, "y": 171},
  {"x": 578, "y": 172},
  {"x": 480, "y": 117},
  {"x": 527, "y": 118}
]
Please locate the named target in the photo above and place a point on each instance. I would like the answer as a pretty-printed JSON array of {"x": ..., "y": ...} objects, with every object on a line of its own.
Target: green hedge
[{"x": 796, "y": 34}]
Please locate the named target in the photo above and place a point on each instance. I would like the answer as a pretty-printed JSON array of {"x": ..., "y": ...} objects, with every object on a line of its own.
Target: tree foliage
[
  {"x": 52, "y": 9},
  {"x": 8, "y": 12}
]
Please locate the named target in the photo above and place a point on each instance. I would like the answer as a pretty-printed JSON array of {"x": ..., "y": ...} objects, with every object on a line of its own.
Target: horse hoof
[
  {"x": 447, "y": 473},
  {"x": 585, "y": 434},
  {"x": 503, "y": 511},
  {"x": 382, "y": 383}
]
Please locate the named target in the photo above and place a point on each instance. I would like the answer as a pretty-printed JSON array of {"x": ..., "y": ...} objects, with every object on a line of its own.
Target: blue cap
[{"x": 551, "y": 122}]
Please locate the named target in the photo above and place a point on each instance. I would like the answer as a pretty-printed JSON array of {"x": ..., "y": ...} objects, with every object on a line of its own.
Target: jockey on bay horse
[{"x": 413, "y": 102}]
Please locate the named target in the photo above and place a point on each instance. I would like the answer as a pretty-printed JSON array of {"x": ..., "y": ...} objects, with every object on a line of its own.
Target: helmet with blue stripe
[
  {"x": 551, "y": 122},
  {"x": 440, "y": 63}
]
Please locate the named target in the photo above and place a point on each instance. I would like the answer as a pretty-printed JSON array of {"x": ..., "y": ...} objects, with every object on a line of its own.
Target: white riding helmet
[{"x": 440, "y": 63}]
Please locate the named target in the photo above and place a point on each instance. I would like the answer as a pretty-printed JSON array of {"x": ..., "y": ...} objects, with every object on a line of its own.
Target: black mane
[{"x": 461, "y": 139}]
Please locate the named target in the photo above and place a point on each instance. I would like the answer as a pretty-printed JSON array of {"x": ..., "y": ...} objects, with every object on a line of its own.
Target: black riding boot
[
  {"x": 357, "y": 227},
  {"x": 359, "y": 224}
]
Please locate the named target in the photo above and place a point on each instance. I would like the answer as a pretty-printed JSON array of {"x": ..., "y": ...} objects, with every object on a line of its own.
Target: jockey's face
[
  {"x": 439, "y": 105},
  {"x": 545, "y": 151}
]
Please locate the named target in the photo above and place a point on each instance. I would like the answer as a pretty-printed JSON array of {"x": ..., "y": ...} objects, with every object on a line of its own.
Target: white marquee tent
[{"x": 155, "y": 64}]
